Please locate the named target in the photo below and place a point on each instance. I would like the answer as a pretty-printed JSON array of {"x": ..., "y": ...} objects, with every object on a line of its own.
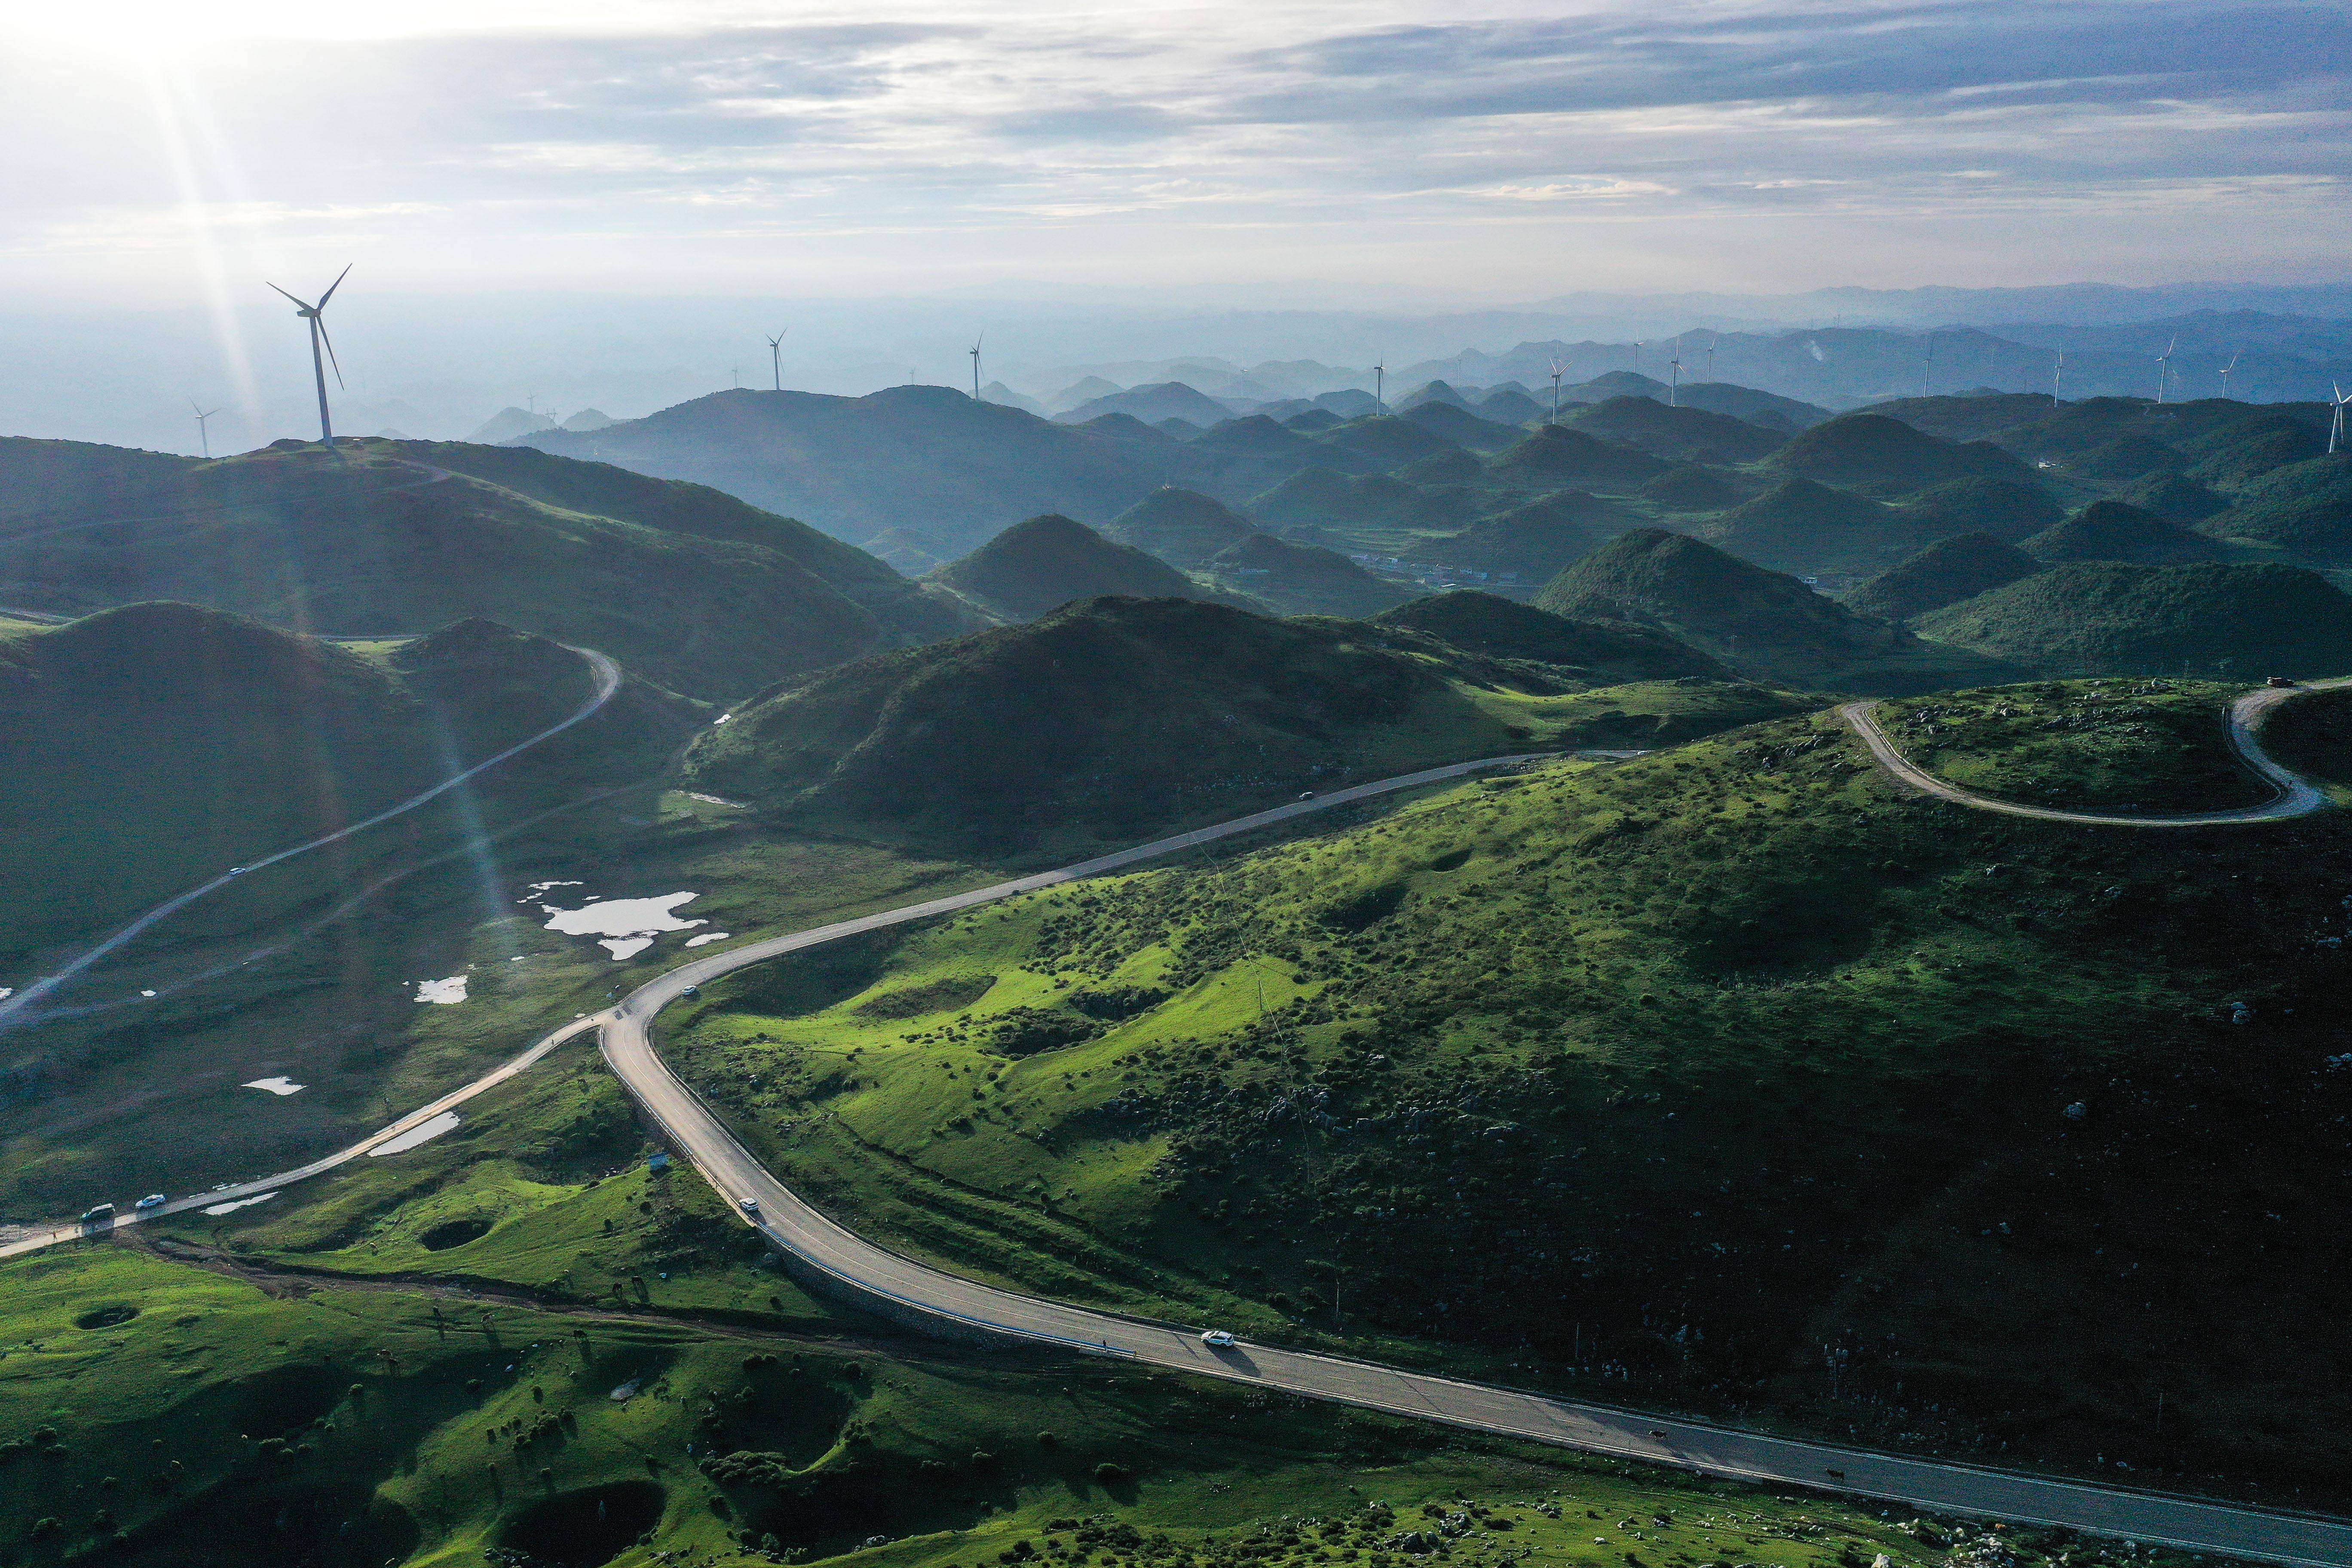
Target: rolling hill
[
  {"x": 1944, "y": 573},
  {"x": 1300, "y": 579},
  {"x": 1606, "y": 653},
  {"x": 1043, "y": 564},
  {"x": 1152, "y": 404},
  {"x": 1885, "y": 457},
  {"x": 2111, "y": 530},
  {"x": 1181, "y": 527},
  {"x": 1800, "y": 526},
  {"x": 1690, "y": 488},
  {"x": 1556, "y": 456},
  {"x": 2305, "y": 506},
  {"x": 2103, "y": 617},
  {"x": 691, "y": 587},
  {"x": 2002, "y": 507},
  {"x": 1683, "y": 435},
  {"x": 1534, "y": 541}
]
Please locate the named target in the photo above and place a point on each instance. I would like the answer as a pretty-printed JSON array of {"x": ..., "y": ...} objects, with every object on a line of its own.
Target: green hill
[
  {"x": 152, "y": 747},
  {"x": 2111, "y": 530},
  {"x": 906, "y": 551},
  {"x": 1321, "y": 497},
  {"x": 856, "y": 466},
  {"x": 1378, "y": 443},
  {"x": 2244, "y": 449},
  {"x": 1944, "y": 573},
  {"x": 2305, "y": 506},
  {"x": 1999, "y": 507},
  {"x": 1690, "y": 488},
  {"x": 1556, "y": 456},
  {"x": 1885, "y": 457},
  {"x": 2098, "y": 615},
  {"x": 1300, "y": 579},
  {"x": 1460, "y": 428},
  {"x": 1720, "y": 1054},
  {"x": 1679, "y": 434},
  {"x": 1046, "y": 562},
  {"x": 2174, "y": 496},
  {"x": 692, "y": 587},
  {"x": 1748, "y": 617},
  {"x": 2126, "y": 458},
  {"x": 1535, "y": 540},
  {"x": 1805, "y": 527},
  {"x": 1181, "y": 527},
  {"x": 1606, "y": 653}
]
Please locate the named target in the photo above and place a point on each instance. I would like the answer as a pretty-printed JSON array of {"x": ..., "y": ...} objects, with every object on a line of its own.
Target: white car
[
  {"x": 751, "y": 1205},
  {"x": 1219, "y": 1338},
  {"x": 152, "y": 1201}
]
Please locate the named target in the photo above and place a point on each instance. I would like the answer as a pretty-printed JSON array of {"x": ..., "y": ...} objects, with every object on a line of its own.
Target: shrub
[{"x": 1110, "y": 1474}]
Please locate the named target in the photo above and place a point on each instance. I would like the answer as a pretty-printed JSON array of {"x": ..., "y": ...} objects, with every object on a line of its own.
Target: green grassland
[
  {"x": 154, "y": 1413},
  {"x": 2312, "y": 735},
  {"x": 1720, "y": 1056},
  {"x": 2154, "y": 746}
]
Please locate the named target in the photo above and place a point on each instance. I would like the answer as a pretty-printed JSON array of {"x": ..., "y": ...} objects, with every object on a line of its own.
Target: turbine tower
[
  {"x": 2336, "y": 427},
  {"x": 1380, "y": 386},
  {"x": 2164, "y": 368},
  {"x": 974, "y": 352},
  {"x": 2225, "y": 373},
  {"x": 2057, "y": 374},
  {"x": 1712, "y": 340},
  {"x": 1675, "y": 386},
  {"x": 776, "y": 356},
  {"x": 1928, "y": 371},
  {"x": 1637, "y": 356},
  {"x": 317, "y": 316},
  {"x": 1557, "y": 368},
  {"x": 204, "y": 434}
]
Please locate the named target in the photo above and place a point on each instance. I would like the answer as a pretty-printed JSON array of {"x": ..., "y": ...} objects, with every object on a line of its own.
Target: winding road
[
  {"x": 831, "y": 1256},
  {"x": 606, "y": 681}
]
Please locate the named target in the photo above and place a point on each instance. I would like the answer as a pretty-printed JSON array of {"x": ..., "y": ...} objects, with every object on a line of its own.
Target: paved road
[
  {"x": 918, "y": 1292},
  {"x": 607, "y": 681},
  {"x": 2297, "y": 796}
]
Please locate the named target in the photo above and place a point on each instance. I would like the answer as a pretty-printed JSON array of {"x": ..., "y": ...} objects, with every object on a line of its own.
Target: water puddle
[
  {"x": 281, "y": 1084},
  {"x": 423, "y": 1132}
]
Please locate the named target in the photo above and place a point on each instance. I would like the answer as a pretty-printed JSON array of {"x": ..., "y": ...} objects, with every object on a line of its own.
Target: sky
[{"x": 1277, "y": 153}]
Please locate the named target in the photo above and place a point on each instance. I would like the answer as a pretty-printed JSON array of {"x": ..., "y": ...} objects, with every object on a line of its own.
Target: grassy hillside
[
  {"x": 2305, "y": 506},
  {"x": 1537, "y": 540},
  {"x": 1181, "y": 527},
  {"x": 149, "y": 749},
  {"x": 1803, "y": 526},
  {"x": 2103, "y": 617},
  {"x": 2157, "y": 746},
  {"x": 1300, "y": 579},
  {"x": 1605, "y": 652},
  {"x": 1944, "y": 573},
  {"x": 2113, "y": 531},
  {"x": 1681, "y": 433},
  {"x": 692, "y": 587},
  {"x": 1556, "y": 456},
  {"x": 2312, "y": 735},
  {"x": 1886, "y": 457},
  {"x": 1114, "y": 718},
  {"x": 1046, "y": 562},
  {"x": 1733, "y": 1053}
]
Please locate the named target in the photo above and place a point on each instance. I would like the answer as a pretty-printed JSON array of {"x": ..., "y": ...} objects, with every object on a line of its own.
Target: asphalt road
[
  {"x": 916, "y": 1291},
  {"x": 607, "y": 681},
  {"x": 2297, "y": 796}
]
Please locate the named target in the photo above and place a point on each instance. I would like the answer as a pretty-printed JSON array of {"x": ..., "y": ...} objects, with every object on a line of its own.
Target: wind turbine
[
  {"x": 974, "y": 352},
  {"x": 2225, "y": 374},
  {"x": 2335, "y": 428},
  {"x": 776, "y": 356},
  {"x": 317, "y": 316},
  {"x": 1675, "y": 386},
  {"x": 1711, "y": 341},
  {"x": 1380, "y": 386},
  {"x": 1557, "y": 370},
  {"x": 203, "y": 433},
  {"x": 1637, "y": 356},
  {"x": 2057, "y": 374},
  {"x": 2164, "y": 368},
  {"x": 1928, "y": 371}
]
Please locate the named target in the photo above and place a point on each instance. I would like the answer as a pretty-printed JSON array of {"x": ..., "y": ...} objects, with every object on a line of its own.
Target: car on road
[
  {"x": 1219, "y": 1338},
  {"x": 152, "y": 1201},
  {"x": 1307, "y": 795},
  {"x": 2278, "y": 681},
  {"x": 691, "y": 991},
  {"x": 98, "y": 1214},
  {"x": 751, "y": 1205},
  {"x": 1658, "y": 1432},
  {"x": 1835, "y": 1474},
  {"x": 237, "y": 870}
]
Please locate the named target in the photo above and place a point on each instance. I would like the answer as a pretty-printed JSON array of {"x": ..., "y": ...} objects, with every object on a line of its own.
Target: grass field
[
  {"x": 2312, "y": 735},
  {"x": 2106, "y": 746},
  {"x": 161, "y": 1413},
  {"x": 1731, "y": 1053}
]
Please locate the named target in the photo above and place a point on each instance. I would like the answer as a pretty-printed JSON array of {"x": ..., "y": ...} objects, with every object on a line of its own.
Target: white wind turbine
[
  {"x": 1928, "y": 371},
  {"x": 2057, "y": 374},
  {"x": 776, "y": 357},
  {"x": 317, "y": 316},
  {"x": 1380, "y": 386},
  {"x": 1713, "y": 339},
  {"x": 204, "y": 434},
  {"x": 974, "y": 352},
  {"x": 2335, "y": 425},
  {"x": 2225, "y": 373},
  {"x": 2164, "y": 368},
  {"x": 1675, "y": 386},
  {"x": 1557, "y": 370}
]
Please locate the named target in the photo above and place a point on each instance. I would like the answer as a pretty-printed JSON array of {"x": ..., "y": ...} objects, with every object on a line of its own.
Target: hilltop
[
  {"x": 1300, "y": 579},
  {"x": 856, "y": 466},
  {"x": 1684, "y": 434},
  {"x": 692, "y": 587},
  {"x": 1944, "y": 573},
  {"x": 1886, "y": 457},
  {"x": 1605, "y": 653},
  {"x": 1750, "y": 616},
  {"x": 1112, "y": 719},
  {"x": 1537, "y": 540},
  {"x": 1046, "y": 562},
  {"x": 1556, "y": 455},
  {"x": 1802, "y": 526},
  {"x": 2305, "y": 506},
  {"x": 2111, "y": 530},
  {"x": 1181, "y": 527},
  {"x": 2099, "y": 615}
]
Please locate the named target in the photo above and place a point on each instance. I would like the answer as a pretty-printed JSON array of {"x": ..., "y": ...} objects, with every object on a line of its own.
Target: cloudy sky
[{"x": 1372, "y": 152}]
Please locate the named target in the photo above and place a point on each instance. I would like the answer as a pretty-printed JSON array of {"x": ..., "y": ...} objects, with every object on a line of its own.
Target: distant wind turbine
[
  {"x": 974, "y": 352},
  {"x": 735, "y": 377},
  {"x": 1711, "y": 341},
  {"x": 2164, "y": 368},
  {"x": 1380, "y": 386},
  {"x": 1928, "y": 371},
  {"x": 1557, "y": 370},
  {"x": 776, "y": 356},
  {"x": 2057, "y": 374},
  {"x": 1637, "y": 356},
  {"x": 2225, "y": 374},
  {"x": 2336, "y": 427},
  {"x": 203, "y": 434},
  {"x": 317, "y": 316},
  {"x": 1675, "y": 386}
]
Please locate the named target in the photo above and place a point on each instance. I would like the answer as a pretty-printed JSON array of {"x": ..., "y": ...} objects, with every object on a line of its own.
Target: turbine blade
[
  {"x": 289, "y": 297},
  {"x": 338, "y": 283},
  {"x": 321, "y": 322}
]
